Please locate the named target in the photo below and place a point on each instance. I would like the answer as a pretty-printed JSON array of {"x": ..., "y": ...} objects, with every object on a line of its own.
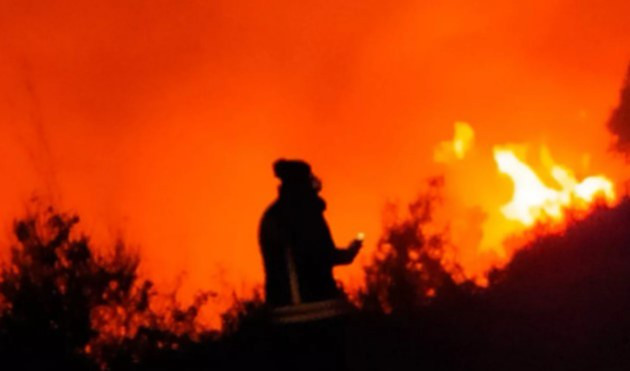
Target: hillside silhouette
[{"x": 561, "y": 304}]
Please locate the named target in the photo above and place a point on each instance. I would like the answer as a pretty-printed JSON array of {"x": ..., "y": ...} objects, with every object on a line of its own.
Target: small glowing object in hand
[{"x": 360, "y": 236}]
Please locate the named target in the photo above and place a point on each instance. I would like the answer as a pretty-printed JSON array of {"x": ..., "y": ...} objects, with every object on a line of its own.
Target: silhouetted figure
[{"x": 299, "y": 255}]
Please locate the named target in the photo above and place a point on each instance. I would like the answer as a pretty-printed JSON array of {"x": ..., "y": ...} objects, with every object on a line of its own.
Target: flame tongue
[
  {"x": 485, "y": 231},
  {"x": 456, "y": 149},
  {"x": 534, "y": 201}
]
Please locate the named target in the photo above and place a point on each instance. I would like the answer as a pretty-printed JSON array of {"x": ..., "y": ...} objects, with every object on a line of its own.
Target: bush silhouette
[
  {"x": 561, "y": 303},
  {"x": 407, "y": 272},
  {"x": 65, "y": 307}
]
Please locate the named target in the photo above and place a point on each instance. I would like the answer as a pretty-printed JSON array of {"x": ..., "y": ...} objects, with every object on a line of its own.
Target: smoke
[{"x": 619, "y": 123}]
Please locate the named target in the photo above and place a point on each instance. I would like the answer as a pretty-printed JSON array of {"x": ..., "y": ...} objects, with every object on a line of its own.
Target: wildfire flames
[
  {"x": 533, "y": 201},
  {"x": 546, "y": 198},
  {"x": 458, "y": 147},
  {"x": 163, "y": 135}
]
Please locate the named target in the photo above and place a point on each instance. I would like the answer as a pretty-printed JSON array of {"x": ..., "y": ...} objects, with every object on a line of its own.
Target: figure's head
[{"x": 296, "y": 174}]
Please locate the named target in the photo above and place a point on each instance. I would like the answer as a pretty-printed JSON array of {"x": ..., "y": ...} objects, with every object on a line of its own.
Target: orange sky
[{"x": 158, "y": 120}]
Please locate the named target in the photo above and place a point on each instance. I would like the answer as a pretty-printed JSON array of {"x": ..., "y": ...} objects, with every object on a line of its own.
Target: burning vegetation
[
  {"x": 545, "y": 197},
  {"x": 560, "y": 301},
  {"x": 161, "y": 118},
  {"x": 543, "y": 285},
  {"x": 547, "y": 290}
]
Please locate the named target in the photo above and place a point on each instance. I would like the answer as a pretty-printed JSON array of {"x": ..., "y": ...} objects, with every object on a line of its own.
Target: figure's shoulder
[
  {"x": 270, "y": 215},
  {"x": 271, "y": 211}
]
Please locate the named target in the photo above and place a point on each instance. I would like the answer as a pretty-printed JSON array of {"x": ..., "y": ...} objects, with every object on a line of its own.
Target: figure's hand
[
  {"x": 347, "y": 255},
  {"x": 355, "y": 244}
]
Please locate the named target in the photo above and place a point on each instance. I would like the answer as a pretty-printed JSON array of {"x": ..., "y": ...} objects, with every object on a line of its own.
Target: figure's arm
[
  {"x": 341, "y": 256},
  {"x": 347, "y": 255}
]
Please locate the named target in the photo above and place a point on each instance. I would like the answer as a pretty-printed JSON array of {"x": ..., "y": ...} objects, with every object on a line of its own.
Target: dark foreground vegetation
[{"x": 562, "y": 304}]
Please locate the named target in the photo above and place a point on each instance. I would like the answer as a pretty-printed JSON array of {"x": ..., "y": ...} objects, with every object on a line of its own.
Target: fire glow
[
  {"x": 546, "y": 196},
  {"x": 457, "y": 148},
  {"x": 163, "y": 135},
  {"x": 533, "y": 201}
]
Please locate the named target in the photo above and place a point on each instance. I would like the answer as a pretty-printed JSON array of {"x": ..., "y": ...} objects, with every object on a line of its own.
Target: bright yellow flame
[
  {"x": 462, "y": 142},
  {"x": 485, "y": 232},
  {"x": 534, "y": 201},
  {"x": 464, "y": 138}
]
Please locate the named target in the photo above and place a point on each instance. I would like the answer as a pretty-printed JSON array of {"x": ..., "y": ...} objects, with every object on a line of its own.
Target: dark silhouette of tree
[
  {"x": 50, "y": 287},
  {"x": 560, "y": 304},
  {"x": 65, "y": 307},
  {"x": 619, "y": 122},
  {"x": 243, "y": 314},
  {"x": 407, "y": 272}
]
